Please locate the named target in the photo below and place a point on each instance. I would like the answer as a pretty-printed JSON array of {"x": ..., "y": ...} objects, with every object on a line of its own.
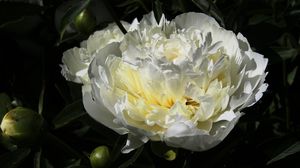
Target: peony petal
[
  {"x": 183, "y": 81},
  {"x": 260, "y": 62},
  {"x": 197, "y": 20},
  {"x": 98, "y": 111},
  {"x": 183, "y": 136},
  {"x": 227, "y": 116},
  {"x": 133, "y": 142},
  {"x": 75, "y": 67},
  {"x": 243, "y": 43}
]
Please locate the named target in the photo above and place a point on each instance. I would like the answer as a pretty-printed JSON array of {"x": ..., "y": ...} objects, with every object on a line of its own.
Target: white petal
[
  {"x": 260, "y": 63},
  {"x": 243, "y": 42},
  {"x": 99, "y": 112},
  {"x": 133, "y": 142},
  {"x": 184, "y": 136},
  {"x": 75, "y": 66},
  {"x": 197, "y": 20},
  {"x": 227, "y": 116}
]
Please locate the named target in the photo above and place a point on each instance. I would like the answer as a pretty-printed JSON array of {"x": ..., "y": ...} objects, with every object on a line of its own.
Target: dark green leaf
[
  {"x": 119, "y": 144},
  {"x": 287, "y": 152},
  {"x": 5, "y": 105},
  {"x": 35, "y": 2},
  {"x": 133, "y": 158},
  {"x": 286, "y": 53},
  {"x": 157, "y": 9},
  {"x": 41, "y": 98},
  {"x": 70, "y": 113},
  {"x": 179, "y": 6},
  {"x": 11, "y": 12},
  {"x": 14, "y": 159},
  {"x": 71, "y": 14},
  {"x": 256, "y": 19},
  {"x": 131, "y": 9},
  {"x": 145, "y": 160},
  {"x": 291, "y": 76},
  {"x": 126, "y": 3},
  {"x": 73, "y": 163},
  {"x": 114, "y": 16},
  {"x": 287, "y": 40},
  {"x": 58, "y": 144}
]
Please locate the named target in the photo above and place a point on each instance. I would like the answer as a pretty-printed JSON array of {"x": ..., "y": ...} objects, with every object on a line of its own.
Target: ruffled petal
[
  {"x": 185, "y": 135},
  {"x": 75, "y": 65},
  {"x": 99, "y": 112}
]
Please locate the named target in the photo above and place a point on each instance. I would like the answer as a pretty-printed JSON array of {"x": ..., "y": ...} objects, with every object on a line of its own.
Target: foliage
[{"x": 34, "y": 35}]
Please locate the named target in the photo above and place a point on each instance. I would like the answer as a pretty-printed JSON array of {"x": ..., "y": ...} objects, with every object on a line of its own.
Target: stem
[
  {"x": 286, "y": 102},
  {"x": 37, "y": 158},
  {"x": 143, "y": 6},
  {"x": 114, "y": 16}
]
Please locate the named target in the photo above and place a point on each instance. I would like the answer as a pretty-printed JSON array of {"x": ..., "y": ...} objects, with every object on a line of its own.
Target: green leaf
[
  {"x": 35, "y": 2},
  {"x": 41, "y": 98},
  {"x": 70, "y": 113},
  {"x": 11, "y": 12},
  {"x": 294, "y": 148},
  {"x": 133, "y": 4},
  {"x": 114, "y": 16},
  {"x": 291, "y": 76},
  {"x": 256, "y": 19},
  {"x": 73, "y": 163},
  {"x": 14, "y": 159},
  {"x": 119, "y": 144},
  {"x": 5, "y": 105},
  {"x": 208, "y": 7},
  {"x": 133, "y": 158},
  {"x": 71, "y": 14},
  {"x": 57, "y": 144},
  {"x": 126, "y": 3},
  {"x": 130, "y": 9},
  {"x": 157, "y": 9},
  {"x": 286, "y": 53},
  {"x": 287, "y": 40}
]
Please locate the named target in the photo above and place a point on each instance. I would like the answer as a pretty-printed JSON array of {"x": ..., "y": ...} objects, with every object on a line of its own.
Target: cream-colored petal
[
  {"x": 99, "y": 112},
  {"x": 183, "y": 135},
  {"x": 74, "y": 66},
  {"x": 197, "y": 20},
  {"x": 133, "y": 142}
]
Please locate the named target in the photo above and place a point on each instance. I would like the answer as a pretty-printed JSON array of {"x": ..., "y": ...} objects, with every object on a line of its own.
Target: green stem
[
  {"x": 143, "y": 6},
  {"x": 286, "y": 102},
  {"x": 37, "y": 158},
  {"x": 114, "y": 16}
]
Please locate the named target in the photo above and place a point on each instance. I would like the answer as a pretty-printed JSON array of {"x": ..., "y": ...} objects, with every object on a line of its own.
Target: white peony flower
[
  {"x": 77, "y": 60},
  {"x": 183, "y": 81}
]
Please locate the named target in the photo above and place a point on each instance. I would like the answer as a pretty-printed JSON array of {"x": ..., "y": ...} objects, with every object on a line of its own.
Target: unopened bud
[
  {"x": 22, "y": 125},
  {"x": 85, "y": 22},
  {"x": 100, "y": 157}
]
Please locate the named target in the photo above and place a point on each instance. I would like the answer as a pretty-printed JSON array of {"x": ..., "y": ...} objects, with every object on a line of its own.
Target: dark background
[{"x": 32, "y": 40}]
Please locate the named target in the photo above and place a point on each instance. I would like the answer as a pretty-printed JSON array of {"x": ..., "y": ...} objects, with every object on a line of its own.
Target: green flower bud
[
  {"x": 100, "y": 157},
  {"x": 163, "y": 151},
  {"x": 22, "y": 125},
  {"x": 85, "y": 22},
  {"x": 170, "y": 155}
]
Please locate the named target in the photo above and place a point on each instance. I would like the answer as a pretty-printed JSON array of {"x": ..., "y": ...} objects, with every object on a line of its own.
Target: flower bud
[
  {"x": 85, "y": 22},
  {"x": 22, "y": 125},
  {"x": 170, "y": 155},
  {"x": 100, "y": 157},
  {"x": 163, "y": 151}
]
